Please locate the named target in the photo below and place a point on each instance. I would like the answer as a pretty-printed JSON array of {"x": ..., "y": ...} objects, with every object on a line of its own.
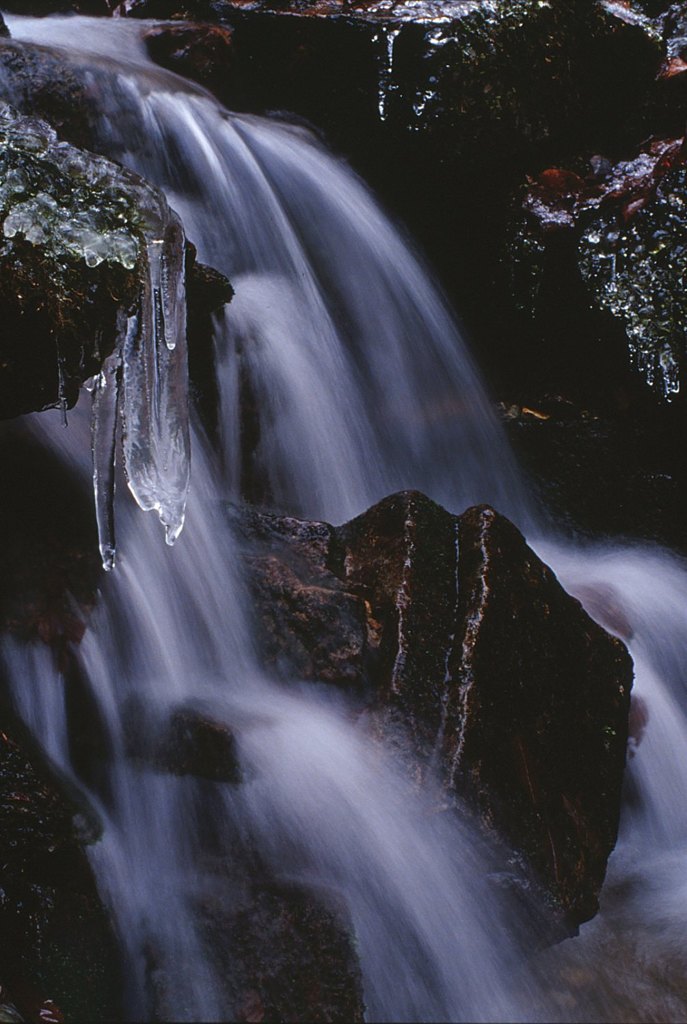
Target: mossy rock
[{"x": 71, "y": 245}]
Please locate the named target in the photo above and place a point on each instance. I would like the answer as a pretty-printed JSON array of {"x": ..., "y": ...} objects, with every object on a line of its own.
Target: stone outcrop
[{"x": 455, "y": 626}]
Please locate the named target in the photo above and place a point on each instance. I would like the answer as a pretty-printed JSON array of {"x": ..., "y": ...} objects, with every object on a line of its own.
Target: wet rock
[
  {"x": 187, "y": 743},
  {"x": 69, "y": 308},
  {"x": 548, "y": 778},
  {"x": 57, "y": 950},
  {"x": 444, "y": 108},
  {"x": 400, "y": 557},
  {"x": 49, "y": 564},
  {"x": 311, "y": 624},
  {"x": 454, "y": 628},
  {"x": 200, "y": 52},
  {"x": 467, "y": 70},
  {"x": 606, "y": 473},
  {"x": 71, "y": 239},
  {"x": 291, "y": 958},
  {"x": 196, "y": 745},
  {"x": 45, "y": 84},
  {"x": 624, "y": 226},
  {"x": 178, "y": 10},
  {"x": 41, "y": 8},
  {"x": 207, "y": 292}
]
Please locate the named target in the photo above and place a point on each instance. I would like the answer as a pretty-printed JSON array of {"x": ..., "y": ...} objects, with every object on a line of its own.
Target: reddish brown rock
[
  {"x": 557, "y": 198},
  {"x": 537, "y": 727},
  {"x": 312, "y": 625},
  {"x": 200, "y": 52},
  {"x": 456, "y": 629}
]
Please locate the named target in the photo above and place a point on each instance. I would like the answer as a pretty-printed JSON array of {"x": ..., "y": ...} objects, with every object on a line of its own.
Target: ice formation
[
  {"x": 79, "y": 206},
  {"x": 637, "y": 270}
]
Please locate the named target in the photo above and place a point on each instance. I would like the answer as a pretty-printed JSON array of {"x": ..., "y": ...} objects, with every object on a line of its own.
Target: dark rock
[
  {"x": 4, "y": 31},
  {"x": 200, "y": 52},
  {"x": 444, "y": 111},
  {"x": 624, "y": 226},
  {"x": 64, "y": 306},
  {"x": 41, "y": 8},
  {"x": 72, "y": 239},
  {"x": 187, "y": 743},
  {"x": 455, "y": 627},
  {"x": 207, "y": 291},
  {"x": 400, "y": 557},
  {"x": 548, "y": 778},
  {"x": 607, "y": 473},
  {"x": 195, "y": 745},
  {"x": 178, "y": 10},
  {"x": 311, "y": 624},
  {"x": 290, "y": 958},
  {"x": 45, "y": 84},
  {"x": 49, "y": 563},
  {"x": 56, "y": 943}
]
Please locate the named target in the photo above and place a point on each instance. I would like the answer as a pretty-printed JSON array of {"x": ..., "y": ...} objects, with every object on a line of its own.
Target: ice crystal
[
  {"x": 76, "y": 205},
  {"x": 638, "y": 271}
]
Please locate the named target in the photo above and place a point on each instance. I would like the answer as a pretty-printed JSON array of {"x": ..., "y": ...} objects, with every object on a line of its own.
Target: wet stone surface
[
  {"x": 71, "y": 237},
  {"x": 56, "y": 942},
  {"x": 456, "y": 632},
  {"x": 625, "y": 227}
]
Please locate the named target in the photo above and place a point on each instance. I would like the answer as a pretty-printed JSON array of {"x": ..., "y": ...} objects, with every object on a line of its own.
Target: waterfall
[{"x": 361, "y": 386}]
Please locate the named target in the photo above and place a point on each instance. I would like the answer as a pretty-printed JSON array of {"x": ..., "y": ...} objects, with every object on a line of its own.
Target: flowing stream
[{"x": 361, "y": 385}]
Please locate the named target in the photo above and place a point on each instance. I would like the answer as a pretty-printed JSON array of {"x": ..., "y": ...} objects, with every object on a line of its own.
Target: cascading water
[{"x": 362, "y": 387}]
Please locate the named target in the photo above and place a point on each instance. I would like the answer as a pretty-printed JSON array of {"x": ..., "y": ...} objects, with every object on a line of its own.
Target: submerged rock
[
  {"x": 290, "y": 957},
  {"x": 189, "y": 742},
  {"x": 57, "y": 949},
  {"x": 456, "y": 627}
]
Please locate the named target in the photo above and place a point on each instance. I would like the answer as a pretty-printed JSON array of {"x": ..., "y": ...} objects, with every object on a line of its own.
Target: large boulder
[
  {"x": 455, "y": 627},
  {"x": 537, "y": 716}
]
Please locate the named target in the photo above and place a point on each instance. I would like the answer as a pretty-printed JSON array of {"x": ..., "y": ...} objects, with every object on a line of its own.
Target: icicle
[
  {"x": 104, "y": 433},
  {"x": 173, "y": 282},
  {"x": 155, "y": 407},
  {"x": 62, "y": 388}
]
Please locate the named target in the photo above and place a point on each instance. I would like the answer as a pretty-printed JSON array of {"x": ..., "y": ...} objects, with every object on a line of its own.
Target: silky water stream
[{"x": 362, "y": 386}]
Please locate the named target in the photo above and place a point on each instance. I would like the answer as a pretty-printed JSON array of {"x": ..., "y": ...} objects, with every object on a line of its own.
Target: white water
[{"x": 363, "y": 387}]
